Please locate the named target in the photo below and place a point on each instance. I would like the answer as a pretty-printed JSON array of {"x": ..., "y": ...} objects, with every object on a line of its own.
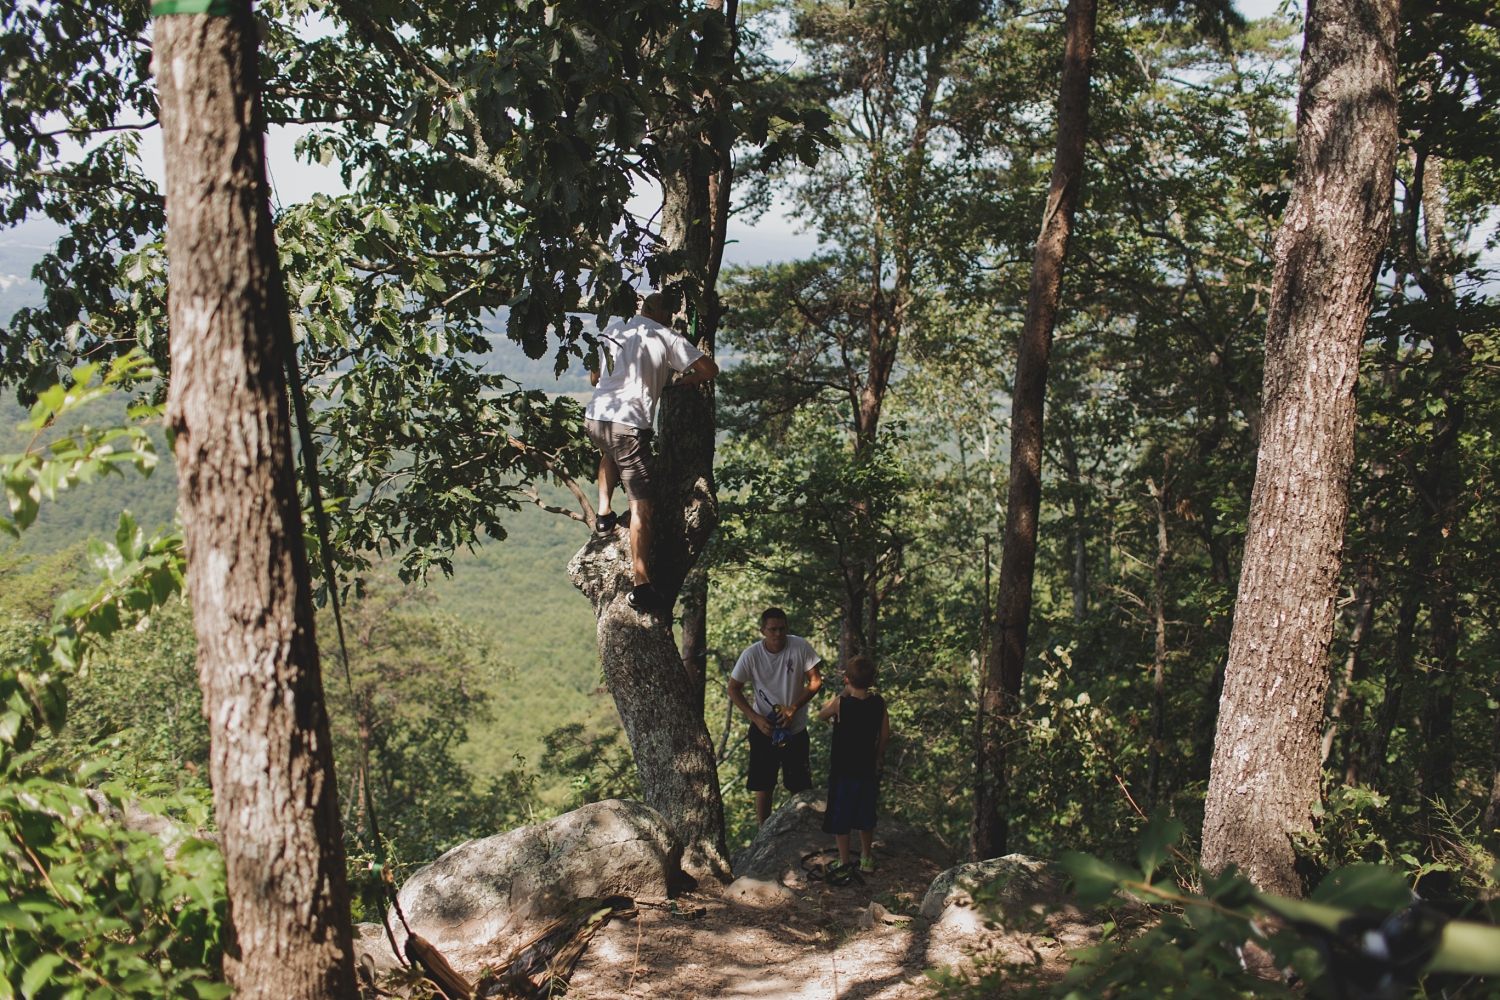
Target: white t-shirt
[
  {"x": 643, "y": 352},
  {"x": 777, "y": 677}
]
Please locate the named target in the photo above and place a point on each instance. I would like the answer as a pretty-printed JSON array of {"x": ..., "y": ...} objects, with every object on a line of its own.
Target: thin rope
[{"x": 320, "y": 523}]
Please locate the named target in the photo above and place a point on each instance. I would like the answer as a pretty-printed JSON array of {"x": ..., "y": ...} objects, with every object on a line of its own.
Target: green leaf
[
  {"x": 128, "y": 537},
  {"x": 1160, "y": 834},
  {"x": 38, "y": 973},
  {"x": 1356, "y": 886},
  {"x": 1094, "y": 880},
  {"x": 13, "y": 916}
]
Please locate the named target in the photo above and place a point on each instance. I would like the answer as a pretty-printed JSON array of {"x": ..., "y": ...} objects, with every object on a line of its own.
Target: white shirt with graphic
[
  {"x": 642, "y": 354},
  {"x": 777, "y": 677}
]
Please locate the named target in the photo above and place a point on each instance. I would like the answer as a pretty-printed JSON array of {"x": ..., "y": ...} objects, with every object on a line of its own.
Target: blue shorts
[{"x": 851, "y": 805}]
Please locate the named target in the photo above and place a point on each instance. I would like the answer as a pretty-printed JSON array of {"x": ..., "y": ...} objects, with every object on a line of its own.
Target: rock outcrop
[
  {"x": 472, "y": 900},
  {"x": 796, "y": 830},
  {"x": 1013, "y": 881},
  {"x": 1029, "y": 917}
]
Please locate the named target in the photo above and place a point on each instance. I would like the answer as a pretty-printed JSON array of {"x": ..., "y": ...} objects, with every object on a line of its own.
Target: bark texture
[
  {"x": 658, "y": 690},
  {"x": 1267, "y": 750},
  {"x": 660, "y": 708},
  {"x": 1034, "y": 354},
  {"x": 275, "y": 797}
]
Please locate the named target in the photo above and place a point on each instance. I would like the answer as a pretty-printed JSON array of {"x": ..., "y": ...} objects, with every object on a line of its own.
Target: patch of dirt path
[{"x": 811, "y": 950}]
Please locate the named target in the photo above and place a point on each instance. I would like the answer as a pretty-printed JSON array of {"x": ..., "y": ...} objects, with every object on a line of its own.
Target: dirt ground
[{"x": 710, "y": 947}]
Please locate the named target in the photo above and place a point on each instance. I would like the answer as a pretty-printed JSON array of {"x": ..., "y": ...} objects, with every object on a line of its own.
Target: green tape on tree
[{"x": 218, "y": 8}]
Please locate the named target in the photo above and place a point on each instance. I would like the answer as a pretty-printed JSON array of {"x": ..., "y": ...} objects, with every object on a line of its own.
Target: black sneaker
[
  {"x": 644, "y": 598},
  {"x": 605, "y": 523}
]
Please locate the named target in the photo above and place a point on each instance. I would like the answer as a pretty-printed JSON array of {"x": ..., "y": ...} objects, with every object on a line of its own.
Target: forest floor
[{"x": 813, "y": 949}]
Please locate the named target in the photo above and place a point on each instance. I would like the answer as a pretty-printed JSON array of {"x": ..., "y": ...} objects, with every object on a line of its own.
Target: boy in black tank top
[{"x": 861, "y": 729}]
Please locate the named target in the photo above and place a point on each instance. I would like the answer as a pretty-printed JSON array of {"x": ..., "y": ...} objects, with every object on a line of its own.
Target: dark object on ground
[
  {"x": 542, "y": 966},
  {"x": 836, "y": 873},
  {"x": 605, "y": 523}
]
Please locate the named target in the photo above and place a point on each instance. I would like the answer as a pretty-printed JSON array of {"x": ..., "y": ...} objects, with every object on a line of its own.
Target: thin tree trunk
[
  {"x": 1266, "y": 769},
  {"x": 1159, "y": 674},
  {"x": 275, "y": 797},
  {"x": 1364, "y": 612},
  {"x": 1448, "y": 352},
  {"x": 975, "y": 832},
  {"x": 1395, "y": 688},
  {"x": 1018, "y": 556},
  {"x": 694, "y": 603},
  {"x": 1080, "y": 579},
  {"x": 1492, "y": 808}
]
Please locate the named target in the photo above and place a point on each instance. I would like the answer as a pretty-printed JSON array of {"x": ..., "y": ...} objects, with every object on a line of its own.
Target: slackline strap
[
  {"x": 216, "y": 8},
  {"x": 320, "y": 521}
]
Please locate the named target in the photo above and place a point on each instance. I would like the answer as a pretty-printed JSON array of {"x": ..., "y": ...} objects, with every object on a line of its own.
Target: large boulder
[
  {"x": 796, "y": 830},
  {"x": 486, "y": 890},
  {"x": 1014, "y": 881},
  {"x": 1028, "y": 919}
]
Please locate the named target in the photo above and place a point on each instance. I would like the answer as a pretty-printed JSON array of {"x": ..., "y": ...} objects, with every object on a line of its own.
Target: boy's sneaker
[
  {"x": 867, "y": 863},
  {"x": 645, "y": 598},
  {"x": 605, "y": 523}
]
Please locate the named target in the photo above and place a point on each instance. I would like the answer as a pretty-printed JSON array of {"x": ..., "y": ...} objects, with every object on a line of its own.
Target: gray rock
[
  {"x": 796, "y": 830},
  {"x": 370, "y": 940},
  {"x": 487, "y": 888},
  {"x": 759, "y": 893},
  {"x": 1024, "y": 882}
]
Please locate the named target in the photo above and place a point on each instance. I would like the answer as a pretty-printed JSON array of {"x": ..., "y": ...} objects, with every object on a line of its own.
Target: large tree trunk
[
  {"x": 1018, "y": 556},
  {"x": 1267, "y": 768},
  {"x": 275, "y": 797},
  {"x": 658, "y": 690}
]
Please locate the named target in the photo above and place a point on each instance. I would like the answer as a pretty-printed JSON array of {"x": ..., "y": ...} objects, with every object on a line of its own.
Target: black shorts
[
  {"x": 791, "y": 759},
  {"x": 630, "y": 447},
  {"x": 851, "y": 804}
]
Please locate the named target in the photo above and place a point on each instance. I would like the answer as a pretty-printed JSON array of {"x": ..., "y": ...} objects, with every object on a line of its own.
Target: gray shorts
[{"x": 630, "y": 447}]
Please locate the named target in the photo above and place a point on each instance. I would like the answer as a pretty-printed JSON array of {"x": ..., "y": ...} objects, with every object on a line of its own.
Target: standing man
[
  {"x": 643, "y": 351},
  {"x": 783, "y": 670}
]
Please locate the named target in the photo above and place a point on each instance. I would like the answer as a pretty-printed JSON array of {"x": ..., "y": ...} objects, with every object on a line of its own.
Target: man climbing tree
[
  {"x": 657, "y": 689},
  {"x": 643, "y": 352},
  {"x": 275, "y": 796},
  {"x": 1267, "y": 751}
]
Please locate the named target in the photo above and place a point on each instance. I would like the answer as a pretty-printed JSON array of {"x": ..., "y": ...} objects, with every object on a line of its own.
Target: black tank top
[{"x": 856, "y": 734}]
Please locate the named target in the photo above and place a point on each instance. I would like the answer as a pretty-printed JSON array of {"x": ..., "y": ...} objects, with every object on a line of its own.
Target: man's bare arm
[
  {"x": 701, "y": 370},
  {"x": 813, "y": 683}
]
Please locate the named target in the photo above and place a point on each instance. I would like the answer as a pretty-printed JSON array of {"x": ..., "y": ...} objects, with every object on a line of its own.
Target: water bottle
[{"x": 780, "y": 730}]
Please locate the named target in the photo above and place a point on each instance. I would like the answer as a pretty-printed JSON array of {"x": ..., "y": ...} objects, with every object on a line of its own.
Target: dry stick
[
  {"x": 640, "y": 921},
  {"x": 834, "y": 960},
  {"x": 1170, "y": 847},
  {"x": 568, "y": 481}
]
